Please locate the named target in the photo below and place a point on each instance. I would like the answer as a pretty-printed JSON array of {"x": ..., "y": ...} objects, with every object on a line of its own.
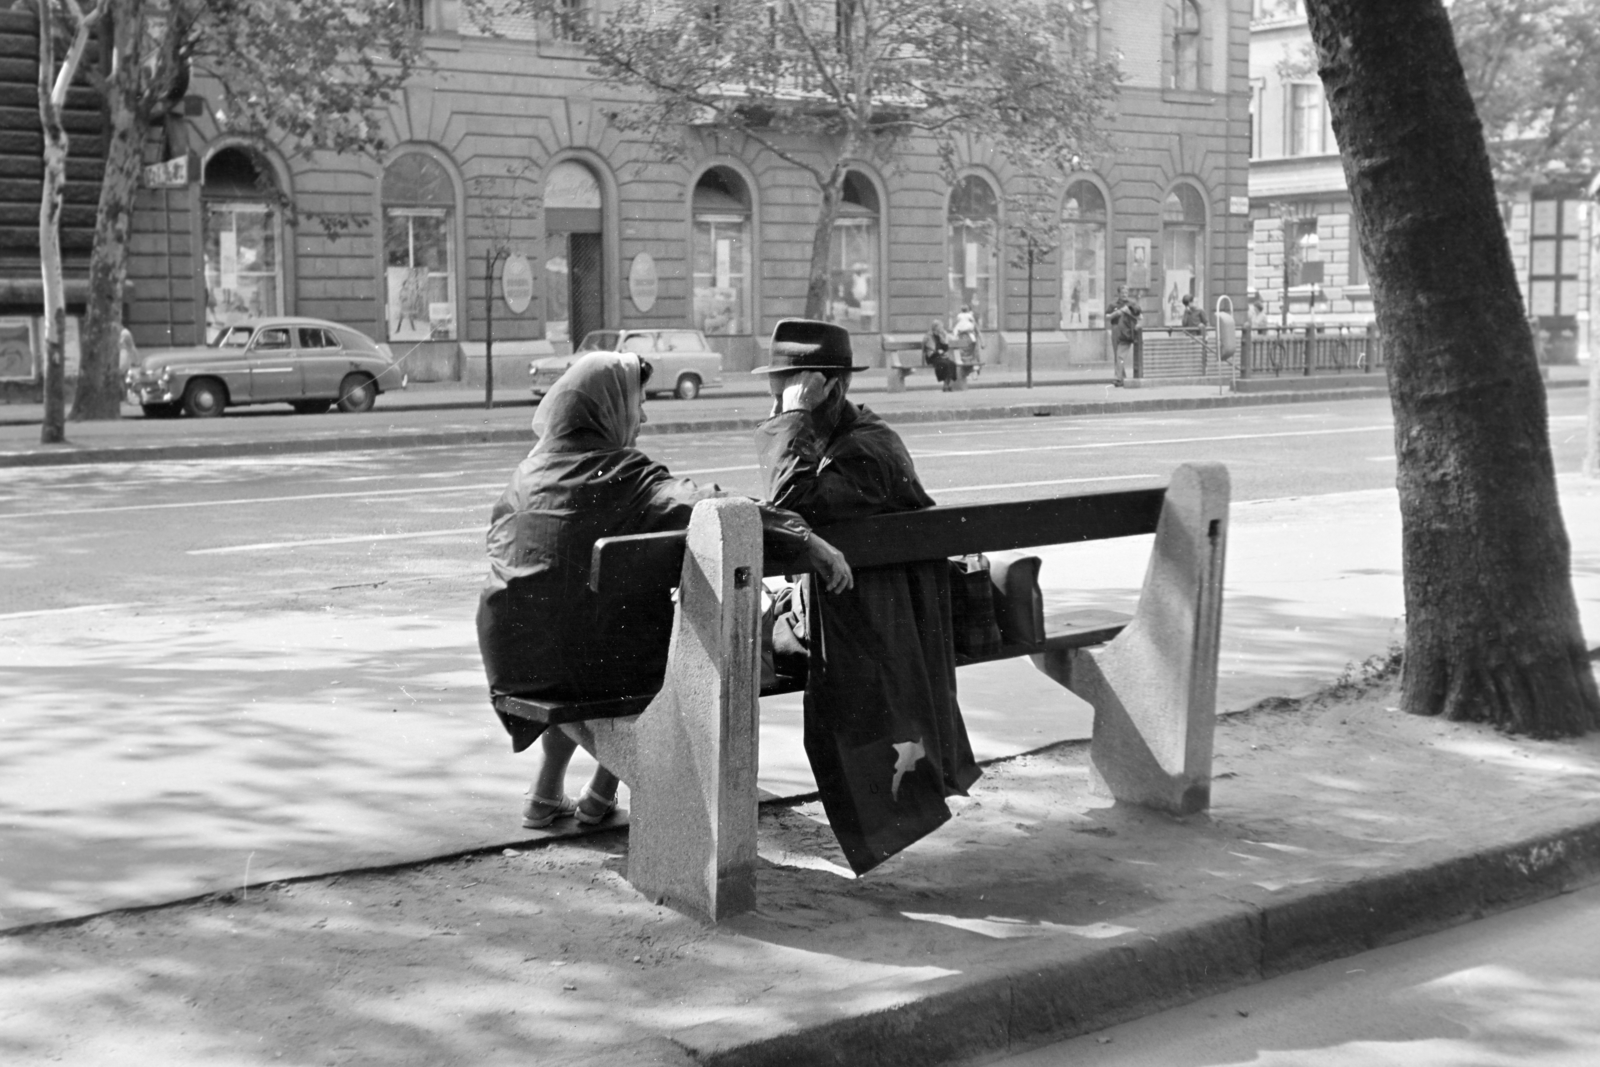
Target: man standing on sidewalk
[{"x": 1123, "y": 316}]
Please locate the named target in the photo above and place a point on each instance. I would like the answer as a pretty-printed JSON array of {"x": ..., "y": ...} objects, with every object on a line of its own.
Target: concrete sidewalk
[{"x": 165, "y": 755}]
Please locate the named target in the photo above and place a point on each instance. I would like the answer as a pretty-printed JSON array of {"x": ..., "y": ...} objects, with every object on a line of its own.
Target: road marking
[
  {"x": 488, "y": 487},
  {"x": 270, "y": 546},
  {"x": 492, "y": 487},
  {"x": 1051, "y": 481},
  {"x": 1160, "y": 441},
  {"x": 68, "y": 611}
]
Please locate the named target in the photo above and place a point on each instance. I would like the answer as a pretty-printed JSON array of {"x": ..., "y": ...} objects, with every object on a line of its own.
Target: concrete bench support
[
  {"x": 690, "y": 758},
  {"x": 1154, "y": 687}
]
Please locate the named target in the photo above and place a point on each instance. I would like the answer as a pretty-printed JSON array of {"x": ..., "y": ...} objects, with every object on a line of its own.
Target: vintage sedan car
[
  {"x": 311, "y": 364},
  {"x": 681, "y": 362}
]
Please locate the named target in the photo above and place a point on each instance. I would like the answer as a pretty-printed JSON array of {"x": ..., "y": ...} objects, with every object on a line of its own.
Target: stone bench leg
[
  {"x": 1154, "y": 687},
  {"x": 690, "y": 758}
]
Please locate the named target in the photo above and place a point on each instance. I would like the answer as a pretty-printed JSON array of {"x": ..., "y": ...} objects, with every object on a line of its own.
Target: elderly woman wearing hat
[
  {"x": 542, "y": 632},
  {"x": 883, "y": 730}
]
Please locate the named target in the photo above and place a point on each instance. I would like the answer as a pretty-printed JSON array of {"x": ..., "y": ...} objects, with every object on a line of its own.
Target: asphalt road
[
  {"x": 161, "y": 533},
  {"x": 1515, "y": 990}
]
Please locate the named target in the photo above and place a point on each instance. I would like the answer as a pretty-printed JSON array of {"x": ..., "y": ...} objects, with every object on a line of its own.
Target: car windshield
[
  {"x": 233, "y": 337},
  {"x": 599, "y": 341}
]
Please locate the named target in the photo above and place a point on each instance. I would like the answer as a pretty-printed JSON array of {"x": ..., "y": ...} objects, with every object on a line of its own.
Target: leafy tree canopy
[
  {"x": 1533, "y": 67},
  {"x": 858, "y": 74}
]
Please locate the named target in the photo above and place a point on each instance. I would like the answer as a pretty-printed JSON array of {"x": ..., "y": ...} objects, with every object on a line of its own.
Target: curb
[
  {"x": 1044, "y": 996},
  {"x": 445, "y": 438}
]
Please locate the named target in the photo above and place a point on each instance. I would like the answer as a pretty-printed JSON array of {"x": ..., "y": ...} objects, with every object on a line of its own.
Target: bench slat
[
  {"x": 1078, "y": 628},
  {"x": 651, "y": 563}
]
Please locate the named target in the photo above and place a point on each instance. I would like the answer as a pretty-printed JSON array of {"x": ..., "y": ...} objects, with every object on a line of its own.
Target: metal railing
[{"x": 1308, "y": 350}]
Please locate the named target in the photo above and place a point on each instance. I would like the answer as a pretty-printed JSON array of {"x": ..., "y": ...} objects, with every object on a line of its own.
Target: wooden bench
[{"x": 689, "y": 752}]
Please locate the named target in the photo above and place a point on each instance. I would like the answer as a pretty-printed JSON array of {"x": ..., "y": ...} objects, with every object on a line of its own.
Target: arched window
[
  {"x": 243, "y": 236},
  {"x": 853, "y": 278},
  {"x": 721, "y": 253},
  {"x": 973, "y": 257},
  {"x": 1183, "y": 44},
  {"x": 419, "y": 202},
  {"x": 1083, "y": 258},
  {"x": 1183, "y": 250},
  {"x": 574, "y": 253}
]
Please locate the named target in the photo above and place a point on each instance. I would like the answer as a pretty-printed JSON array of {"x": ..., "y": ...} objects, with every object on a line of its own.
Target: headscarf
[{"x": 593, "y": 407}]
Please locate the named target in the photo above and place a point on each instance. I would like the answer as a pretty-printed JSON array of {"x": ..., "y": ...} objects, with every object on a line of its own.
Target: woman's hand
[{"x": 830, "y": 565}]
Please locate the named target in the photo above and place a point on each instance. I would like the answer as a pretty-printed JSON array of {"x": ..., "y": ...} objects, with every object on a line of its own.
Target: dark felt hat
[{"x": 808, "y": 344}]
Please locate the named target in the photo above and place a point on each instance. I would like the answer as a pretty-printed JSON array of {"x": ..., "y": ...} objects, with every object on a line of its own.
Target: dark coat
[
  {"x": 542, "y": 633},
  {"x": 883, "y": 729}
]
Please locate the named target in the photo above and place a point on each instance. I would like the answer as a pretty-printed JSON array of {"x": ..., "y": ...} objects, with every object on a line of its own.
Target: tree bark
[
  {"x": 822, "y": 242},
  {"x": 100, "y": 387},
  {"x": 1492, "y": 628},
  {"x": 52, "y": 429}
]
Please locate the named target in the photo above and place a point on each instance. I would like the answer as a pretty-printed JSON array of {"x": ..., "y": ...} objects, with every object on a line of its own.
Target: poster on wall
[
  {"x": 408, "y": 304},
  {"x": 1178, "y": 284},
  {"x": 16, "y": 348},
  {"x": 1138, "y": 263}
]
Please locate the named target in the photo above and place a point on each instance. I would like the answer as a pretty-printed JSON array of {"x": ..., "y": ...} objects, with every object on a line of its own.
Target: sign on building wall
[
  {"x": 173, "y": 174},
  {"x": 643, "y": 283},
  {"x": 1138, "y": 263},
  {"x": 516, "y": 283}
]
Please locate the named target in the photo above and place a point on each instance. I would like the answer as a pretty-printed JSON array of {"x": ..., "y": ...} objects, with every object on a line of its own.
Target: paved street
[
  {"x": 1514, "y": 990},
  {"x": 191, "y": 644}
]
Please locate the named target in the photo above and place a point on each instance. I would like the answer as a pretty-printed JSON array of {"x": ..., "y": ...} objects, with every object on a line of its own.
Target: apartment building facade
[
  {"x": 507, "y": 144},
  {"x": 1302, "y": 231}
]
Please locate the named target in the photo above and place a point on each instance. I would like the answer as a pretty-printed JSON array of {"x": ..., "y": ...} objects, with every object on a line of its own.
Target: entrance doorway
[
  {"x": 583, "y": 283},
  {"x": 575, "y": 258}
]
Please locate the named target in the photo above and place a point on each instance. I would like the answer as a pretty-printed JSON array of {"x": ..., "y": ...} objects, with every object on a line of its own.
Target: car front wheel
[
  {"x": 688, "y": 387},
  {"x": 205, "y": 398},
  {"x": 357, "y": 393}
]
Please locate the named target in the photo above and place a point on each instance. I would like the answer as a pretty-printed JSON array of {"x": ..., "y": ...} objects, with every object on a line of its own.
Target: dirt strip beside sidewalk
[{"x": 1039, "y": 911}]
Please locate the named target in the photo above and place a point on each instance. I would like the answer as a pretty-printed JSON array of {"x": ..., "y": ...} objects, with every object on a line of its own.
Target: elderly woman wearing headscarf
[{"x": 542, "y": 632}]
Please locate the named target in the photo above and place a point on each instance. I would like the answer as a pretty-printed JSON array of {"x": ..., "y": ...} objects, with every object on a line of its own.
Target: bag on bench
[{"x": 995, "y": 603}]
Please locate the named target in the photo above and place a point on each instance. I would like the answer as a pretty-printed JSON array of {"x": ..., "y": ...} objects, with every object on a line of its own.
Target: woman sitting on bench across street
[{"x": 542, "y": 633}]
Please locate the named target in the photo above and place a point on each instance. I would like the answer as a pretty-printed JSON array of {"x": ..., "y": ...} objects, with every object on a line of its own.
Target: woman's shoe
[
  {"x": 592, "y": 808},
  {"x": 539, "y": 812}
]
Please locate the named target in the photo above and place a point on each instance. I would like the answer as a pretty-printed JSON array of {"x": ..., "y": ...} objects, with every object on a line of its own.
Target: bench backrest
[{"x": 651, "y": 563}]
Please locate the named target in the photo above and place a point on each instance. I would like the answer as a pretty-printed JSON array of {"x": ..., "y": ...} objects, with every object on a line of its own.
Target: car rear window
[
  {"x": 599, "y": 341},
  {"x": 681, "y": 341},
  {"x": 316, "y": 337}
]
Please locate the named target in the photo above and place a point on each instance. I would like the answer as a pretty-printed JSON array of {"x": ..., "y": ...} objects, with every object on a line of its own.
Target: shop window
[
  {"x": 1083, "y": 258},
  {"x": 243, "y": 234},
  {"x": 721, "y": 253},
  {"x": 1183, "y": 45},
  {"x": 973, "y": 265},
  {"x": 1183, "y": 235},
  {"x": 853, "y": 278},
  {"x": 419, "y": 250}
]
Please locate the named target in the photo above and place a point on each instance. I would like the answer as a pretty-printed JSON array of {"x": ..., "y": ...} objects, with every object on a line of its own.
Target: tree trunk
[
  {"x": 100, "y": 386},
  {"x": 822, "y": 243},
  {"x": 51, "y": 194},
  {"x": 1492, "y": 628}
]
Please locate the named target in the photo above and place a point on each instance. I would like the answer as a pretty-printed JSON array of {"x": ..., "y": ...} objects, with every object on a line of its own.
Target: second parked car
[
  {"x": 312, "y": 364},
  {"x": 681, "y": 362}
]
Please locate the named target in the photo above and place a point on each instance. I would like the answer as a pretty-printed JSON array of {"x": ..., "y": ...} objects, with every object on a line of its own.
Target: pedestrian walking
[{"x": 1123, "y": 318}]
